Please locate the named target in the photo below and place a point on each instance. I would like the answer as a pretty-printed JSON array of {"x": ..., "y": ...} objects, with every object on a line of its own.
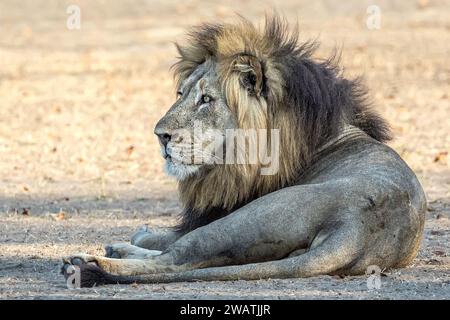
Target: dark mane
[{"x": 322, "y": 98}]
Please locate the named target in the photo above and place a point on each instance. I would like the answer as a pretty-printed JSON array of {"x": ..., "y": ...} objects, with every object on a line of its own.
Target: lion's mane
[{"x": 307, "y": 100}]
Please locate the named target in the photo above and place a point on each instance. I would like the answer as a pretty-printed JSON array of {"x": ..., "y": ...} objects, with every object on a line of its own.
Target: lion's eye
[
  {"x": 206, "y": 99},
  {"x": 179, "y": 94}
]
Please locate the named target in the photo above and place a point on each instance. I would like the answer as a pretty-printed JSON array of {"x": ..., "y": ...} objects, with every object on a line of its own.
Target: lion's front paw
[
  {"x": 128, "y": 251},
  {"x": 82, "y": 271},
  {"x": 80, "y": 258},
  {"x": 111, "y": 251}
]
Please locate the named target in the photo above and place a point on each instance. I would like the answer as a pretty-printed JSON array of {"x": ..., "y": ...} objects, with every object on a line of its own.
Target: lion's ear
[{"x": 250, "y": 74}]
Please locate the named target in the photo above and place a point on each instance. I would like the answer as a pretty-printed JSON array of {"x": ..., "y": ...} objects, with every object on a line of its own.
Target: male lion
[{"x": 340, "y": 201}]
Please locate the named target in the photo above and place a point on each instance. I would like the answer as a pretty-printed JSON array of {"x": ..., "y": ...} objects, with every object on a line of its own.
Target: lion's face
[{"x": 193, "y": 130}]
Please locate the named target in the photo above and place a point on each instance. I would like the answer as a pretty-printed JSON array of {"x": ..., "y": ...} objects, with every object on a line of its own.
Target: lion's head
[{"x": 236, "y": 76}]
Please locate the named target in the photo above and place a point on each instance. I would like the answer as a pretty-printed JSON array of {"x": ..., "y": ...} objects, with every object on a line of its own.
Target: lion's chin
[{"x": 180, "y": 171}]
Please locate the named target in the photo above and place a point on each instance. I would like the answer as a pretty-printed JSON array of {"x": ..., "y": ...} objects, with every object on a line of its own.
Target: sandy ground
[{"x": 79, "y": 166}]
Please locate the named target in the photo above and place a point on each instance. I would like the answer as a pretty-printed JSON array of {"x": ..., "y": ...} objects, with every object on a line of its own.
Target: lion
[{"x": 340, "y": 200}]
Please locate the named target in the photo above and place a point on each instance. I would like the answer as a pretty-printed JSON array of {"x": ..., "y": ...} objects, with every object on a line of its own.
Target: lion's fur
[{"x": 308, "y": 101}]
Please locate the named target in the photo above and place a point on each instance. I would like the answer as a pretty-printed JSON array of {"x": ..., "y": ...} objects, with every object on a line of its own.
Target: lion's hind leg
[{"x": 332, "y": 253}]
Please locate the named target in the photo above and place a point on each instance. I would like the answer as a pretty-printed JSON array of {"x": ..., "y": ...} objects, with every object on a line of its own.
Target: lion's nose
[{"x": 164, "y": 137}]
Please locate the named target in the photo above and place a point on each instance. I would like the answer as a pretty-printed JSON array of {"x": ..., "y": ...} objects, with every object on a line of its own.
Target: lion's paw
[
  {"x": 81, "y": 271},
  {"x": 78, "y": 258},
  {"x": 127, "y": 251}
]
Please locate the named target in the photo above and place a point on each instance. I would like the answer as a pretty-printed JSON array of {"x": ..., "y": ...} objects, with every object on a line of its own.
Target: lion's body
[{"x": 340, "y": 202}]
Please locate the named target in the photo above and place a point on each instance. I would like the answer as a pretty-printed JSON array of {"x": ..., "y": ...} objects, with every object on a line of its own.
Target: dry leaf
[
  {"x": 441, "y": 157},
  {"x": 422, "y": 4},
  {"x": 59, "y": 216},
  {"x": 130, "y": 150}
]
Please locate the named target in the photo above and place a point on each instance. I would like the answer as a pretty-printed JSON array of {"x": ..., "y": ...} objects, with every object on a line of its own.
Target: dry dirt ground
[{"x": 79, "y": 166}]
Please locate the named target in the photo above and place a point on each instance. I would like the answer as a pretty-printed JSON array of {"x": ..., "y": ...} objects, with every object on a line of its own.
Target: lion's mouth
[
  {"x": 165, "y": 154},
  {"x": 178, "y": 169},
  {"x": 177, "y": 156},
  {"x": 169, "y": 158}
]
